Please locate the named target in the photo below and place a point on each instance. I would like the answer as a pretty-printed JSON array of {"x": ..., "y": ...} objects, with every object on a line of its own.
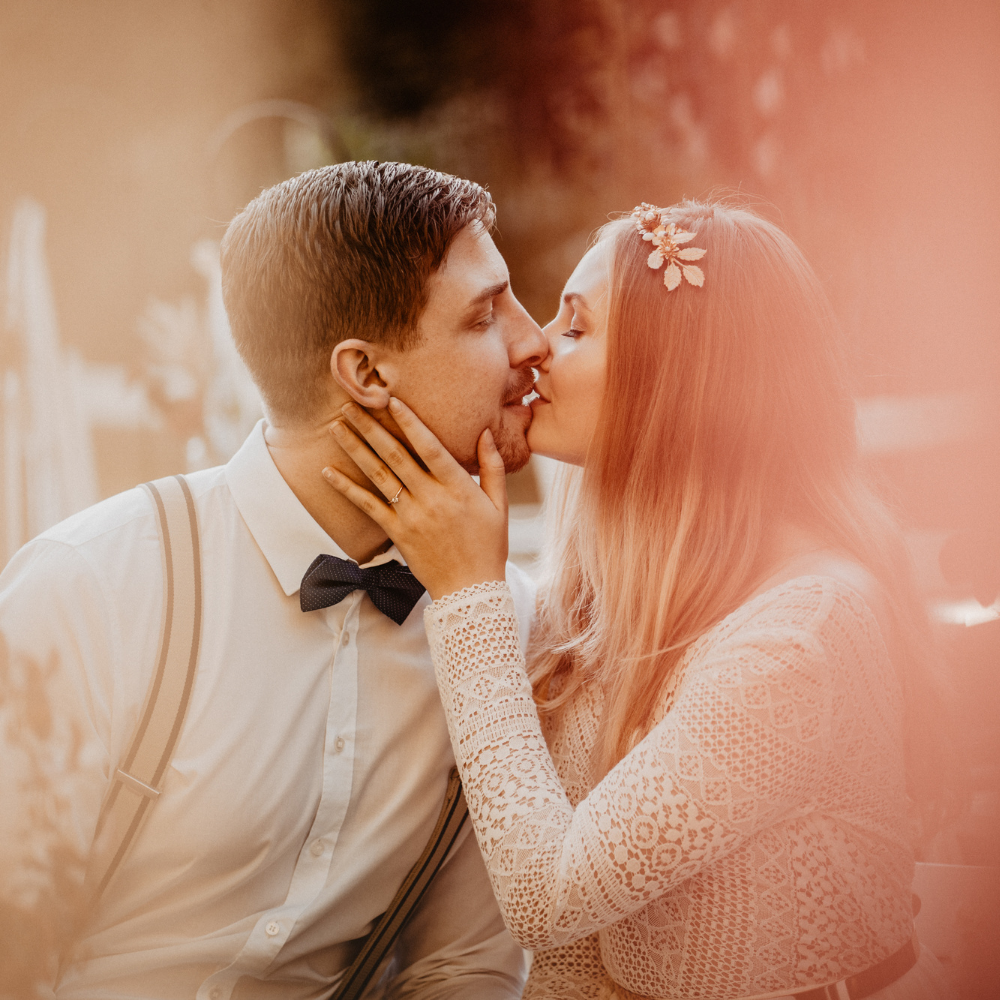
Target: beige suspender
[{"x": 136, "y": 783}]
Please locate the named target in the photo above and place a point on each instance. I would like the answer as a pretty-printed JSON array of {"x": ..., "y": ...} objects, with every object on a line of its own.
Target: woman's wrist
[{"x": 453, "y": 583}]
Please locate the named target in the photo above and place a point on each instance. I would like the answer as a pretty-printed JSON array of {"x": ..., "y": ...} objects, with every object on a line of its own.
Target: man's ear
[{"x": 353, "y": 364}]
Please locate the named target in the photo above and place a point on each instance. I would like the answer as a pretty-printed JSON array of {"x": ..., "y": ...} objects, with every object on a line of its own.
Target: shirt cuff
[{"x": 491, "y": 597}]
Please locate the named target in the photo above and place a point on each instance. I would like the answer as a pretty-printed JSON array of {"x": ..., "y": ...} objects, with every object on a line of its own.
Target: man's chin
[
  {"x": 510, "y": 437},
  {"x": 512, "y": 445},
  {"x": 515, "y": 456},
  {"x": 511, "y": 440}
]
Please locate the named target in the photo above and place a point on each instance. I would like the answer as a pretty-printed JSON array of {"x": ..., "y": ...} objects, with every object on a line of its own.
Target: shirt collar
[{"x": 283, "y": 529}]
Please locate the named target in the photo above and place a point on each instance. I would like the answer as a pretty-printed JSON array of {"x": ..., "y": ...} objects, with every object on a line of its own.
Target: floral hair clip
[{"x": 652, "y": 223}]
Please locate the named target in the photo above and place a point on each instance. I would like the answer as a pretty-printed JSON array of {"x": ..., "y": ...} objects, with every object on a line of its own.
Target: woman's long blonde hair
[{"x": 726, "y": 411}]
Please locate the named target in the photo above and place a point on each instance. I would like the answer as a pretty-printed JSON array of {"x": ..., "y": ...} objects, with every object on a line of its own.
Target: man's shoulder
[
  {"x": 121, "y": 512},
  {"x": 113, "y": 514},
  {"x": 98, "y": 573},
  {"x": 109, "y": 541}
]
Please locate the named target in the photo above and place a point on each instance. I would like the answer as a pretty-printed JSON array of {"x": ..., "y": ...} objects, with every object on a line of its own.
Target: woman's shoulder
[
  {"x": 810, "y": 640},
  {"x": 830, "y": 577},
  {"x": 822, "y": 601}
]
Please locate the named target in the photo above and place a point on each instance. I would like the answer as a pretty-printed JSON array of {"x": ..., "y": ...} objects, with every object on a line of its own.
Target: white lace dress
[{"x": 753, "y": 844}]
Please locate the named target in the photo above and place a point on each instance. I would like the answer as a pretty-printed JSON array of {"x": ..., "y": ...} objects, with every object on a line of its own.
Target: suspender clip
[{"x": 140, "y": 787}]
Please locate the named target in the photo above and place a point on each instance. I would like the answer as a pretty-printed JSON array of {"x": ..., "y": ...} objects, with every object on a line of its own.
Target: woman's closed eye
[{"x": 573, "y": 333}]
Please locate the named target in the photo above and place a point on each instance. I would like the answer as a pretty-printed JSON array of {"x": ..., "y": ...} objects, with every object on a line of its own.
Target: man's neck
[{"x": 300, "y": 452}]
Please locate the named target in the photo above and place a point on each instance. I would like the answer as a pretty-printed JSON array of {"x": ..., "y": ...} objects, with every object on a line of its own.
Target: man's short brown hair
[{"x": 342, "y": 251}]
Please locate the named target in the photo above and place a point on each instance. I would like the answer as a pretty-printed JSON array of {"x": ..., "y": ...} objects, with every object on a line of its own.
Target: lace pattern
[
  {"x": 753, "y": 841},
  {"x": 571, "y": 972}
]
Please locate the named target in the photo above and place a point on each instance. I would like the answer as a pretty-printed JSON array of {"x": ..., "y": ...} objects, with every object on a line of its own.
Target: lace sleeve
[
  {"x": 570, "y": 972},
  {"x": 747, "y": 738}
]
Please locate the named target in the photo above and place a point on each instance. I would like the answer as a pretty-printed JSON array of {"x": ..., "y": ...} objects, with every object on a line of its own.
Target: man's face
[{"x": 471, "y": 366}]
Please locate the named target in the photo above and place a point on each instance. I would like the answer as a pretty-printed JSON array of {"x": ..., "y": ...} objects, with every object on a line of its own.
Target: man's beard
[
  {"x": 513, "y": 448},
  {"x": 510, "y": 437}
]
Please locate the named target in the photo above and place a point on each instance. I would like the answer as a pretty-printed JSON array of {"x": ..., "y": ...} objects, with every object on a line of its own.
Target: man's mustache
[{"x": 525, "y": 384}]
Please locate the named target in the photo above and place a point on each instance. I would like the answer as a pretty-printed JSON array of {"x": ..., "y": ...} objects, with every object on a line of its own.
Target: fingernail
[
  {"x": 338, "y": 429},
  {"x": 394, "y": 405},
  {"x": 349, "y": 408},
  {"x": 328, "y": 472}
]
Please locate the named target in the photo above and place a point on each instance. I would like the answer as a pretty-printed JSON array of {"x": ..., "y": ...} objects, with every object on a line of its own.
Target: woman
[{"x": 697, "y": 789}]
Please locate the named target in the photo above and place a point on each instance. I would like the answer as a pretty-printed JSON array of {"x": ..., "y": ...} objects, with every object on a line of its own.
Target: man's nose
[{"x": 528, "y": 346}]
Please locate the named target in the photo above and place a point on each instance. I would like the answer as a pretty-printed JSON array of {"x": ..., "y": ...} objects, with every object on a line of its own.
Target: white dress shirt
[{"x": 309, "y": 773}]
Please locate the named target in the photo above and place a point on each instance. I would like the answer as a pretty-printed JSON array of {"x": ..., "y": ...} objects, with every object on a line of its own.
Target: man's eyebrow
[{"x": 489, "y": 293}]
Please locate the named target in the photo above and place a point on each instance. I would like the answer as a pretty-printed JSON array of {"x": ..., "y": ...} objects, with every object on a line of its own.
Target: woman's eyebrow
[{"x": 576, "y": 300}]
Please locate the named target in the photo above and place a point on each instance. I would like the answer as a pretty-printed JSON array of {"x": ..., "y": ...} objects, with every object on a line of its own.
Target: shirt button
[
  {"x": 272, "y": 928},
  {"x": 345, "y": 639},
  {"x": 338, "y": 744},
  {"x": 215, "y": 993},
  {"x": 317, "y": 848}
]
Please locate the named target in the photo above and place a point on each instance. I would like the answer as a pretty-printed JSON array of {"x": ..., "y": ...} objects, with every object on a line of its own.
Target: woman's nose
[{"x": 551, "y": 335}]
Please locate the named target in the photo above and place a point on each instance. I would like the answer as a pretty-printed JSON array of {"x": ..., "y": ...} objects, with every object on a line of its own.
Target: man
[{"x": 314, "y": 755}]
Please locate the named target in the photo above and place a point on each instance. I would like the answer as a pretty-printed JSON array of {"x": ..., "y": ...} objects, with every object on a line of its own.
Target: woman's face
[{"x": 570, "y": 381}]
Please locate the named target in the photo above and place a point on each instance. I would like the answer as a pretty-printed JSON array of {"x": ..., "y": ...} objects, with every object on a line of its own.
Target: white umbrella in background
[{"x": 48, "y": 454}]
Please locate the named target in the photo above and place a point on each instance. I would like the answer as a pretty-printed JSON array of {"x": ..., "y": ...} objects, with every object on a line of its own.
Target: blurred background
[{"x": 131, "y": 132}]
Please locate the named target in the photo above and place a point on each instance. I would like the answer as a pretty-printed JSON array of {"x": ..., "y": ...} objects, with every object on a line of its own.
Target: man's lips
[{"x": 517, "y": 398}]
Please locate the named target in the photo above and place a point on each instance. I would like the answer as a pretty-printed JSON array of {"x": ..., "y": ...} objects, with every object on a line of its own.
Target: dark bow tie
[{"x": 394, "y": 590}]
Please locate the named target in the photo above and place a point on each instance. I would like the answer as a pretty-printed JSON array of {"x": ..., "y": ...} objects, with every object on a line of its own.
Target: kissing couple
[{"x": 690, "y": 756}]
